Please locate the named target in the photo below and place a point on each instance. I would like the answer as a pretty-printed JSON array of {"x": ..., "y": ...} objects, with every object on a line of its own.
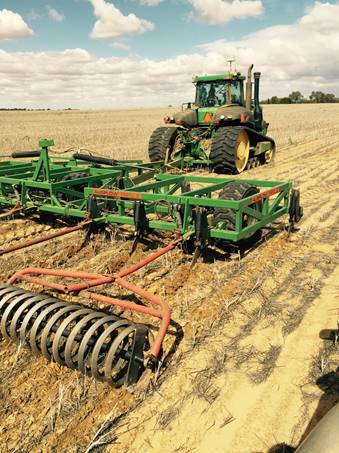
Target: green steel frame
[
  {"x": 113, "y": 195},
  {"x": 169, "y": 207}
]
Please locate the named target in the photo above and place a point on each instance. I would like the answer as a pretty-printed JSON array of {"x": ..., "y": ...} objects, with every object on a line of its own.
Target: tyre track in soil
[{"x": 99, "y": 401}]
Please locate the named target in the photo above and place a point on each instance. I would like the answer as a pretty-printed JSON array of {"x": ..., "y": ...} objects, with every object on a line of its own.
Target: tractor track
[{"x": 250, "y": 336}]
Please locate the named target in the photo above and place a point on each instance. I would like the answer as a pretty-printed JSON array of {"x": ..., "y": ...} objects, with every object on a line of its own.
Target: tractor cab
[
  {"x": 215, "y": 91},
  {"x": 216, "y": 95}
]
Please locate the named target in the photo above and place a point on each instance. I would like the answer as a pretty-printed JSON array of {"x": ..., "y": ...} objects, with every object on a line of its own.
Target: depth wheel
[
  {"x": 226, "y": 218},
  {"x": 230, "y": 150}
]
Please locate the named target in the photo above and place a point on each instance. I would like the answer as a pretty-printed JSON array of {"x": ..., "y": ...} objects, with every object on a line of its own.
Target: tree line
[
  {"x": 316, "y": 97},
  {"x": 18, "y": 109}
]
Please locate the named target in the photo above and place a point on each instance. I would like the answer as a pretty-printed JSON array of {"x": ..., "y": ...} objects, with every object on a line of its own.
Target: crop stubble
[{"x": 243, "y": 376}]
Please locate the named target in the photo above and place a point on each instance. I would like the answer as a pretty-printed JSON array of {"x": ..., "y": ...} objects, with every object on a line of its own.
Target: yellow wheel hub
[
  {"x": 242, "y": 150},
  {"x": 268, "y": 156}
]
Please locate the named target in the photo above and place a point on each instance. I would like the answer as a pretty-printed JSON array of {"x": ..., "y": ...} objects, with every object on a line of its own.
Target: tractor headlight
[{"x": 222, "y": 117}]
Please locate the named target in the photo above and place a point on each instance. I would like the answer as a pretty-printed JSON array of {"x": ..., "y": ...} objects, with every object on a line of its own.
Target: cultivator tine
[
  {"x": 295, "y": 210},
  {"x": 140, "y": 222},
  {"x": 196, "y": 256},
  {"x": 201, "y": 225}
]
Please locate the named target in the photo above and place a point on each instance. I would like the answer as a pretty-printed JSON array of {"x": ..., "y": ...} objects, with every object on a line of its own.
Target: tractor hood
[
  {"x": 232, "y": 112},
  {"x": 188, "y": 118},
  {"x": 194, "y": 117},
  {"x": 204, "y": 116}
]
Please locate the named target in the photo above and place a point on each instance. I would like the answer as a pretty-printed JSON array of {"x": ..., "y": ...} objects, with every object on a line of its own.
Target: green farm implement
[{"x": 145, "y": 197}]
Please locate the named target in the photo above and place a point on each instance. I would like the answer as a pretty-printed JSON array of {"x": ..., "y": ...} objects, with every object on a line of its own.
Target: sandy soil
[{"x": 250, "y": 373}]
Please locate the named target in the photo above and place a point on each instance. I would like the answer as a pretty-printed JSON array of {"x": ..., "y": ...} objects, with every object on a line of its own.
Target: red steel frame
[{"x": 93, "y": 280}]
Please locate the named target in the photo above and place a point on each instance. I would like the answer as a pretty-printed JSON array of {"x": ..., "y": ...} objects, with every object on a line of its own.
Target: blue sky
[
  {"x": 174, "y": 32},
  {"x": 171, "y": 40}
]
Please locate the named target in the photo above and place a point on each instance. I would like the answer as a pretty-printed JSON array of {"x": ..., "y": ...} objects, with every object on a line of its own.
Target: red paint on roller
[{"x": 91, "y": 280}]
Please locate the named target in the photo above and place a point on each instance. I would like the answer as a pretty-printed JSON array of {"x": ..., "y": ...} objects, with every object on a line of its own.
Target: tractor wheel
[
  {"x": 161, "y": 139},
  {"x": 225, "y": 218},
  {"x": 230, "y": 150}
]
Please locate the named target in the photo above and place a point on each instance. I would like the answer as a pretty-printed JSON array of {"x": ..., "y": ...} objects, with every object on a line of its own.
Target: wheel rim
[
  {"x": 242, "y": 150},
  {"x": 268, "y": 156}
]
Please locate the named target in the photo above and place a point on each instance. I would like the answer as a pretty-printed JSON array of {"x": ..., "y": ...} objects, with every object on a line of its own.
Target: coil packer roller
[{"x": 145, "y": 197}]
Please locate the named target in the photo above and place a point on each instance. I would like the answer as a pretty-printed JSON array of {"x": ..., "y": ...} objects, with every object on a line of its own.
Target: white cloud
[
  {"x": 112, "y": 23},
  {"x": 151, "y": 2},
  {"x": 215, "y": 12},
  {"x": 302, "y": 56},
  {"x": 12, "y": 26},
  {"x": 33, "y": 15},
  {"x": 55, "y": 15},
  {"x": 120, "y": 45},
  {"x": 322, "y": 17}
]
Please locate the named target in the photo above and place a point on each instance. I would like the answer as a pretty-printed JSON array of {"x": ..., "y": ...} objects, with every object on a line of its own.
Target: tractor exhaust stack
[
  {"x": 248, "y": 103},
  {"x": 257, "y": 110}
]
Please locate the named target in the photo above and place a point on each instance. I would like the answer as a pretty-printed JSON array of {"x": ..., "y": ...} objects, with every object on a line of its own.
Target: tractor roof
[{"x": 214, "y": 77}]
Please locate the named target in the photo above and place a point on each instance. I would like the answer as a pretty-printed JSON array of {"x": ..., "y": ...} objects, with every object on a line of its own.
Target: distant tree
[
  {"x": 285, "y": 100},
  {"x": 274, "y": 100},
  {"x": 319, "y": 97},
  {"x": 296, "y": 97},
  {"x": 329, "y": 97}
]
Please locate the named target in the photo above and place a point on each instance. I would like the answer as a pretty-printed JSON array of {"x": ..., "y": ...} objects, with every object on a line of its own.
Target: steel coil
[{"x": 98, "y": 344}]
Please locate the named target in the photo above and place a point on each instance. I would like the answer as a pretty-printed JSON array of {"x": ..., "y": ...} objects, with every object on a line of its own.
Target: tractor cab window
[{"x": 220, "y": 92}]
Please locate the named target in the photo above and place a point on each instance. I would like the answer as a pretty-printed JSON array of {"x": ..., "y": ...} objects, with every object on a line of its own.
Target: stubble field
[{"x": 250, "y": 372}]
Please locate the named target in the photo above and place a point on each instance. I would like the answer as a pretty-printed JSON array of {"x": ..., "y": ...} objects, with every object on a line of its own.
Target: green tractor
[{"x": 223, "y": 128}]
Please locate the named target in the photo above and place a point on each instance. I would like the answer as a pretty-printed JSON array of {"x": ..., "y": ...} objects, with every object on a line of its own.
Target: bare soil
[{"x": 249, "y": 373}]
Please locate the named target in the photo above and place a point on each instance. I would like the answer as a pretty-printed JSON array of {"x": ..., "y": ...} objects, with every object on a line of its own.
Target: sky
[{"x": 141, "y": 53}]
